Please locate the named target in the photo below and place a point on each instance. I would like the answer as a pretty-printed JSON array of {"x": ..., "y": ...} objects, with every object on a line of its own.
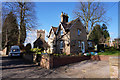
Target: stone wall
[
  {"x": 46, "y": 61},
  {"x": 50, "y": 61},
  {"x": 74, "y": 37},
  {"x": 30, "y": 57},
  {"x": 66, "y": 42},
  {"x": 4, "y": 51}
]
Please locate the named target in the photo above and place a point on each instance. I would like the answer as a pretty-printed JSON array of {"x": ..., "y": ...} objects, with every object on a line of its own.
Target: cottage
[
  {"x": 68, "y": 37},
  {"x": 117, "y": 43}
]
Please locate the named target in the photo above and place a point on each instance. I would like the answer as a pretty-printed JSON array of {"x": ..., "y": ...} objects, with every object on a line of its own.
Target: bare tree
[
  {"x": 91, "y": 13},
  {"x": 25, "y": 16},
  {"x": 0, "y": 17}
]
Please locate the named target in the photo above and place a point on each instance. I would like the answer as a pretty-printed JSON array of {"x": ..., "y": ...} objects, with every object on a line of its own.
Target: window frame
[
  {"x": 51, "y": 45},
  {"x": 90, "y": 44},
  {"x": 79, "y": 43},
  {"x": 61, "y": 45},
  {"x": 78, "y": 32},
  {"x": 61, "y": 32}
]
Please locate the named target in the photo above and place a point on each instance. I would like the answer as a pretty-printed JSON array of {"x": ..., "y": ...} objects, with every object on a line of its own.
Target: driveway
[
  {"x": 18, "y": 68},
  {"x": 84, "y": 69}
]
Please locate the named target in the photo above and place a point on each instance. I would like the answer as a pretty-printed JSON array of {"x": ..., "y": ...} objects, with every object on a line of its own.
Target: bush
[
  {"x": 36, "y": 50},
  {"x": 68, "y": 55},
  {"x": 110, "y": 49},
  {"x": 56, "y": 54},
  {"x": 100, "y": 47},
  {"x": 64, "y": 53}
]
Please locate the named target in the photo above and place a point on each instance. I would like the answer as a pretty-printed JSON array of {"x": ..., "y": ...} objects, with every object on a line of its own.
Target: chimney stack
[{"x": 64, "y": 18}]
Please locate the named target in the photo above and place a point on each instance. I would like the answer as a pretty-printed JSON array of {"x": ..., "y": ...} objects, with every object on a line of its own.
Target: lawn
[{"x": 113, "y": 53}]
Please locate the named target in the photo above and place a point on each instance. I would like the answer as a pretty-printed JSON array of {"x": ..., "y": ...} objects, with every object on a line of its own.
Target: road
[{"x": 18, "y": 68}]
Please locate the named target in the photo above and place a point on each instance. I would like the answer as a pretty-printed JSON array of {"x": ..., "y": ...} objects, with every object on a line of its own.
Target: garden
[
  {"x": 48, "y": 60},
  {"x": 110, "y": 51}
]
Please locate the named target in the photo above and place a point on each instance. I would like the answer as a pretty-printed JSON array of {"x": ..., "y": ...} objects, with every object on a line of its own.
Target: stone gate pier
[{"x": 114, "y": 62}]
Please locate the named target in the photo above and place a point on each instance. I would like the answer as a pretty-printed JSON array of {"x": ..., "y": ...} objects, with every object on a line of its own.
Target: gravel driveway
[{"x": 18, "y": 68}]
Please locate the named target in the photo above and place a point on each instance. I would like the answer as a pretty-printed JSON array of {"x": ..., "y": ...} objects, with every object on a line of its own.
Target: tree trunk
[
  {"x": 22, "y": 32},
  {"x": 88, "y": 35}
]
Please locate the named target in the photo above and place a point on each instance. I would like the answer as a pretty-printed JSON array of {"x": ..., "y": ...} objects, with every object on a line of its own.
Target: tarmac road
[{"x": 18, "y": 68}]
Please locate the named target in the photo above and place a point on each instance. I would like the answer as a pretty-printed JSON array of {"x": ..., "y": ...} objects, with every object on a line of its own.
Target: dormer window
[
  {"x": 61, "y": 32},
  {"x": 79, "y": 31}
]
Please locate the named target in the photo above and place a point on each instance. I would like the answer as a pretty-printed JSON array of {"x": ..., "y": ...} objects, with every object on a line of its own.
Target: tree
[
  {"x": 10, "y": 31},
  {"x": 105, "y": 32},
  {"x": 0, "y": 28},
  {"x": 91, "y": 13},
  {"x": 99, "y": 34},
  {"x": 25, "y": 16}
]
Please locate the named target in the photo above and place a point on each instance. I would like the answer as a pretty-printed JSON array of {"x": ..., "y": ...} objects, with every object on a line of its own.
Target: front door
[{"x": 82, "y": 47}]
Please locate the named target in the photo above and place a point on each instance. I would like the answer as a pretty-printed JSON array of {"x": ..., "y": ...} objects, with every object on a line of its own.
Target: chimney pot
[{"x": 64, "y": 17}]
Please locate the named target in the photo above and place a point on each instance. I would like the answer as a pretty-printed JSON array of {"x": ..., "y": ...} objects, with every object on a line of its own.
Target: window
[
  {"x": 61, "y": 32},
  {"x": 61, "y": 44},
  {"x": 51, "y": 45},
  {"x": 79, "y": 44},
  {"x": 79, "y": 31},
  {"x": 90, "y": 44}
]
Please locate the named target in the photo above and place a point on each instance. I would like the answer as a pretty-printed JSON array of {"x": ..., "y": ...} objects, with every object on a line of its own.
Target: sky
[{"x": 48, "y": 14}]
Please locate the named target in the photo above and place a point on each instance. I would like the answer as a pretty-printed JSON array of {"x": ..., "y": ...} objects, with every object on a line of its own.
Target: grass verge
[{"x": 113, "y": 53}]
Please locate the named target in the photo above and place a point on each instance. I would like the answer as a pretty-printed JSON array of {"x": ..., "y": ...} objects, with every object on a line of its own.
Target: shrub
[
  {"x": 64, "y": 53},
  {"x": 100, "y": 47},
  {"x": 110, "y": 49},
  {"x": 68, "y": 55},
  {"x": 36, "y": 50},
  {"x": 56, "y": 54}
]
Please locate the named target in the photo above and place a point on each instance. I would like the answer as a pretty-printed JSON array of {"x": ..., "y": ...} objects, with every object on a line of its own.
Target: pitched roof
[
  {"x": 54, "y": 29},
  {"x": 69, "y": 24},
  {"x": 41, "y": 43},
  {"x": 66, "y": 25}
]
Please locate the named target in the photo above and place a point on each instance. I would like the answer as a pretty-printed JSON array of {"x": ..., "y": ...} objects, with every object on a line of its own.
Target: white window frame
[
  {"x": 61, "y": 44},
  {"x": 61, "y": 32},
  {"x": 83, "y": 46},
  {"x": 90, "y": 44},
  {"x": 79, "y": 44},
  {"x": 79, "y": 31},
  {"x": 51, "y": 45}
]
